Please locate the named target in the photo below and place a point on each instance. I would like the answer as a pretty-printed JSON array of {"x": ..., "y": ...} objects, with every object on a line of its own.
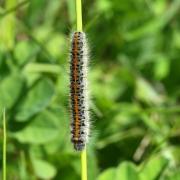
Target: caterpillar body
[{"x": 79, "y": 91}]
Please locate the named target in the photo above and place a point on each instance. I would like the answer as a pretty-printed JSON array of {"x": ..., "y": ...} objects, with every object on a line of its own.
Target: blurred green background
[{"x": 134, "y": 84}]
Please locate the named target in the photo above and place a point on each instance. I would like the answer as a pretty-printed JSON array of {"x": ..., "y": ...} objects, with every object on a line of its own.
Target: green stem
[
  {"x": 4, "y": 144},
  {"x": 79, "y": 28},
  {"x": 79, "y": 15},
  {"x": 83, "y": 165}
]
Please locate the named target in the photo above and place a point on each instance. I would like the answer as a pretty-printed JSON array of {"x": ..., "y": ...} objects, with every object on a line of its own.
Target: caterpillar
[{"x": 79, "y": 90}]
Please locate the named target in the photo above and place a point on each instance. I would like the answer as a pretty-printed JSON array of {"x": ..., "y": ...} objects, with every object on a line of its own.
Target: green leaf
[
  {"x": 43, "y": 169},
  {"x": 161, "y": 68},
  {"x": 57, "y": 42},
  {"x": 8, "y": 26},
  {"x": 108, "y": 174},
  {"x": 145, "y": 92},
  {"x": 41, "y": 130},
  {"x": 62, "y": 140},
  {"x": 38, "y": 98},
  {"x": 23, "y": 51},
  {"x": 153, "y": 168},
  {"x": 174, "y": 176},
  {"x": 10, "y": 89},
  {"x": 104, "y": 5},
  {"x": 127, "y": 171}
]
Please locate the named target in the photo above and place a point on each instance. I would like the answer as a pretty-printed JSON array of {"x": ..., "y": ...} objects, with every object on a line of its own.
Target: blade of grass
[
  {"x": 84, "y": 165},
  {"x": 8, "y": 26},
  {"x": 42, "y": 67},
  {"x": 10, "y": 10},
  {"x": 22, "y": 166},
  {"x": 79, "y": 15},
  {"x": 79, "y": 28},
  {"x": 4, "y": 144}
]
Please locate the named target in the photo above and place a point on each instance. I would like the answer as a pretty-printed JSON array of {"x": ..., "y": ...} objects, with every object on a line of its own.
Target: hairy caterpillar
[{"x": 78, "y": 90}]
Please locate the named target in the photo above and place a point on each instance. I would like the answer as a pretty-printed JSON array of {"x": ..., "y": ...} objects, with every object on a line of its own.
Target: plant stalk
[
  {"x": 79, "y": 15},
  {"x": 4, "y": 144},
  {"x": 84, "y": 165}
]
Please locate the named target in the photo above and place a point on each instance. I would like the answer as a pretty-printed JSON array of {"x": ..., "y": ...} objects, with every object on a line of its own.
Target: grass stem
[
  {"x": 84, "y": 165},
  {"x": 79, "y": 28},
  {"x": 4, "y": 144},
  {"x": 79, "y": 15}
]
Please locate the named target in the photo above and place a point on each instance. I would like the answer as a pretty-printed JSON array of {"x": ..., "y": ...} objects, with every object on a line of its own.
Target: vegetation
[{"x": 135, "y": 89}]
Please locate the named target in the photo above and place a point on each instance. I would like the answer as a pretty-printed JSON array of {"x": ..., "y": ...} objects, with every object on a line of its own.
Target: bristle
[{"x": 79, "y": 91}]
